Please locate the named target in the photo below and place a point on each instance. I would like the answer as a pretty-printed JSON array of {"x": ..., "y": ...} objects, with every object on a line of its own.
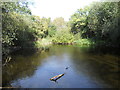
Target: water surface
[{"x": 88, "y": 68}]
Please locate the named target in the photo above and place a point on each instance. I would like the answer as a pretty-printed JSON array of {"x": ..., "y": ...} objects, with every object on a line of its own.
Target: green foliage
[
  {"x": 40, "y": 26},
  {"x": 79, "y": 20},
  {"x": 98, "y": 22},
  {"x": 20, "y": 28},
  {"x": 43, "y": 42},
  {"x": 83, "y": 42},
  {"x": 16, "y": 31},
  {"x": 59, "y": 23},
  {"x": 95, "y": 24},
  {"x": 77, "y": 36},
  {"x": 62, "y": 33},
  {"x": 51, "y": 31},
  {"x": 63, "y": 37},
  {"x": 19, "y": 7}
]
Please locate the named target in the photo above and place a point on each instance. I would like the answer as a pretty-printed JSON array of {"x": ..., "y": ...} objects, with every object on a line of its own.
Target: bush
[
  {"x": 63, "y": 37},
  {"x": 43, "y": 42},
  {"x": 83, "y": 42}
]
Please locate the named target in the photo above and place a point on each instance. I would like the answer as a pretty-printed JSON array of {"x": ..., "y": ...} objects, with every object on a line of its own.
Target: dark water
[{"x": 87, "y": 69}]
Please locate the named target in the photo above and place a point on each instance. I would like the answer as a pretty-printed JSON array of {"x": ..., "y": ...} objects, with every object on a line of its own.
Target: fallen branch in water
[
  {"x": 55, "y": 78},
  {"x": 7, "y": 60}
]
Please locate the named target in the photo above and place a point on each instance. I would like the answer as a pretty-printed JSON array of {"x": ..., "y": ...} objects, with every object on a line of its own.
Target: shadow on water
[
  {"x": 101, "y": 64},
  {"x": 23, "y": 64},
  {"x": 104, "y": 50},
  {"x": 90, "y": 67}
]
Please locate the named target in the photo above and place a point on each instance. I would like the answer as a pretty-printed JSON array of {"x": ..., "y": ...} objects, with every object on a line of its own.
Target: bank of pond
[{"x": 45, "y": 45}]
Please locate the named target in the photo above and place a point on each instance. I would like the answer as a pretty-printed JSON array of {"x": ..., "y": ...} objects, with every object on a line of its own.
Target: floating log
[{"x": 55, "y": 78}]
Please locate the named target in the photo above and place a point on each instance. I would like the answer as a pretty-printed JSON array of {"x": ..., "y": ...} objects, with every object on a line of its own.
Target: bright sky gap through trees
[{"x": 57, "y": 8}]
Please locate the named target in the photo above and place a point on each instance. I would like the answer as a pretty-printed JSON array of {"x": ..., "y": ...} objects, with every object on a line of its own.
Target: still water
[{"x": 88, "y": 68}]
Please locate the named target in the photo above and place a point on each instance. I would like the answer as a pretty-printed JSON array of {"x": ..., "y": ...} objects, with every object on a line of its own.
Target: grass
[
  {"x": 43, "y": 42},
  {"x": 83, "y": 42}
]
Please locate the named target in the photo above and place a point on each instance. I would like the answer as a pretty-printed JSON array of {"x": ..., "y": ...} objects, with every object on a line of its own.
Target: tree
[
  {"x": 59, "y": 23},
  {"x": 98, "y": 24}
]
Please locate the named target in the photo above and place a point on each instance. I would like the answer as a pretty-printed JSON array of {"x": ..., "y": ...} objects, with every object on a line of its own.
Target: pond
[{"x": 87, "y": 68}]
